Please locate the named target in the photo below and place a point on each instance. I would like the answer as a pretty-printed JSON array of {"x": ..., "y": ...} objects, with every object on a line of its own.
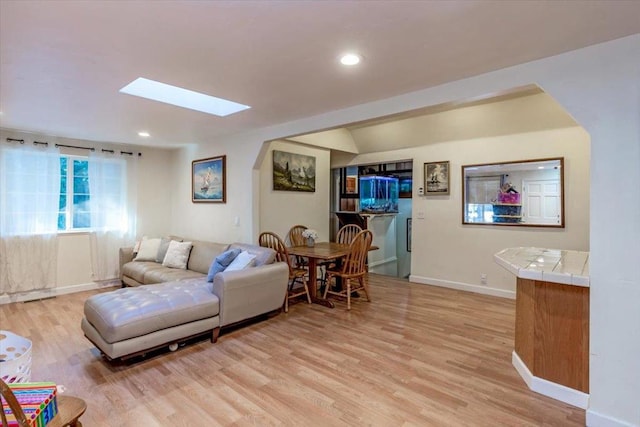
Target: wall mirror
[{"x": 518, "y": 193}]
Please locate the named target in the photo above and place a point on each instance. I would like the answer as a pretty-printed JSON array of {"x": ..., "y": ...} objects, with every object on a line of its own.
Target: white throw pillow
[
  {"x": 148, "y": 250},
  {"x": 242, "y": 261},
  {"x": 177, "y": 255}
]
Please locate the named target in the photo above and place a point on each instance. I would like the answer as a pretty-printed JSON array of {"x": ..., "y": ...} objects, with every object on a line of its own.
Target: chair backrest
[
  {"x": 16, "y": 409},
  {"x": 295, "y": 235},
  {"x": 273, "y": 241},
  {"x": 355, "y": 261},
  {"x": 347, "y": 233}
]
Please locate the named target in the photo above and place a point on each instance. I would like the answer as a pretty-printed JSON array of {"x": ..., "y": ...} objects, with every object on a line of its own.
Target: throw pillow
[
  {"x": 162, "y": 249},
  {"x": 177, "y": 255},
  {"x": 221, "y": 262},
  {"x": 242, "y": 261},
  {"x": 148, "y": 250}
]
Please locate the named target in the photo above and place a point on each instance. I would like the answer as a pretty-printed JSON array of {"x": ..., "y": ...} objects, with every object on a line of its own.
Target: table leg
[{"x": 313, "y": 285}]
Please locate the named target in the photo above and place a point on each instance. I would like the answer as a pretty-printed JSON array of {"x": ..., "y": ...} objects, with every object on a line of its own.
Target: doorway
[
  {"x": 542, "y": 201},
  {"x": 391, "y": 233}
]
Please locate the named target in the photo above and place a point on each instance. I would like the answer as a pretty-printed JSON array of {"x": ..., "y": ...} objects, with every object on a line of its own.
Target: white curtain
[
  {"x": 29, "y": 201},
  {"x": 112, "y": 189}
]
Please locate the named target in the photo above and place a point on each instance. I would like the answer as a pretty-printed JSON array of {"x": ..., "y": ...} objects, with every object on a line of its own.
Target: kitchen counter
[
  {"x": 549, "y": 265},
  {"x": 551, "y": 343}
]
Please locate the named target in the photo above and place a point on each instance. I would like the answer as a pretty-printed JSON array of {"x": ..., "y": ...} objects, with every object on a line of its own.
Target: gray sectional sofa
[{"x": 163, "y": 306}]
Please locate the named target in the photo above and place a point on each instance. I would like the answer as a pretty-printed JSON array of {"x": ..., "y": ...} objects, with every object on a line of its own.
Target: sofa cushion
[
  {"x": 132, "y": 312},
  {"x": 162, "y": 249},
  {"x": 137, "y": 269},
  {"x": 148, "y": 249},
  {"x": 203, "y": 253},
  {"x": 263, "y": 255},
  {"x": 166, "y": 274},
  {"x": 177, "y": 255},
  {"x": 221, "y": 262}
]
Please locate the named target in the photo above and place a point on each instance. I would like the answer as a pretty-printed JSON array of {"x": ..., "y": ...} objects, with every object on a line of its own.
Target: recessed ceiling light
[
  {"x": 144, "y": 134},
  {"x": 350, "y": 59},
  {"x": 180, "y": 97},
  {"x": 540, "y": 167}
]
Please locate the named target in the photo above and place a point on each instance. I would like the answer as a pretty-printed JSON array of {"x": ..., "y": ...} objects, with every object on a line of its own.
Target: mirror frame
[{"x": 464, "y": 168}]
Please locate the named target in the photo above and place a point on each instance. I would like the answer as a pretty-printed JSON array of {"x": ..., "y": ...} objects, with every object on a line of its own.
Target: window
[
  {"x": 74, "y": 210},
  {"x": 90, "y": 194}
]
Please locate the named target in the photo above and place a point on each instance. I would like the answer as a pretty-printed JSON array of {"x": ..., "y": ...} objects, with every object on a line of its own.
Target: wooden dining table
[{"x": 321, "y": 251}]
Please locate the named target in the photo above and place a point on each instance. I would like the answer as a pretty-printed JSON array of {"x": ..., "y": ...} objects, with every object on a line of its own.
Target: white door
[{"x": 541, "y": 204}]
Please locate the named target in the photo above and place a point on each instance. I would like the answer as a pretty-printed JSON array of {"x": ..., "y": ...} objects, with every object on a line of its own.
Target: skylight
[{"x": 180, "y": 97}]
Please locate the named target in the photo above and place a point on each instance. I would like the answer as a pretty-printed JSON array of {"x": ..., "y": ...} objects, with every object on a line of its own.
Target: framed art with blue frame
[{"x": 208, "y": 180}]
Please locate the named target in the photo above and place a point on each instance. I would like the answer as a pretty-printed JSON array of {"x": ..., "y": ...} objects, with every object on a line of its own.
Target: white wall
[
  {"x": 279, "y": 210},
  {"x": 154, "y": 193},
  {"x": 599, "y": 87},
  {"x": 216, "y": 221},
  {"x": 505, "y": 117}
]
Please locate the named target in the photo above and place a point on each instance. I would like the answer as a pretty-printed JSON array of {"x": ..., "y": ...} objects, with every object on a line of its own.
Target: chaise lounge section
[{"x": 163, "y": 306}]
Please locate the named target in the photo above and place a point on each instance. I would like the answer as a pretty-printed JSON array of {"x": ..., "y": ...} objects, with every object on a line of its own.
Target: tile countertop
[{"x": 549, "y": 265}]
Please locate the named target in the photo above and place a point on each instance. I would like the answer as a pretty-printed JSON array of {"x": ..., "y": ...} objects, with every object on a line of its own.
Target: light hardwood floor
[{"x": 416, "y": 355}]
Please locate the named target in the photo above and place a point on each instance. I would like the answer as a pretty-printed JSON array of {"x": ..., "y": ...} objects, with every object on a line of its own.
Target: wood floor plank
[{"x": 416, "y": 355}]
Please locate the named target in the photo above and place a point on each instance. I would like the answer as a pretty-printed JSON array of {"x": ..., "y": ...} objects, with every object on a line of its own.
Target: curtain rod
[
  {"x": 21, "y": 141},
  {"x": 75, "y": 146},
  {"x": 130, "y": 153}
]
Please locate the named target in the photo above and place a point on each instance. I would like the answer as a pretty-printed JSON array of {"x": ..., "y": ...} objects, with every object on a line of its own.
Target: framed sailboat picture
[
  {"x": 436, "y": 179},
  {"x": 208, "y": 180}
]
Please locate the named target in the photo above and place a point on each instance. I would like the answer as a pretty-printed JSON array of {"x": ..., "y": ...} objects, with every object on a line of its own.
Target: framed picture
[
  {"x": 208, "y": 180},
  {"x": 409, "y": 226},
  {"x": 293, "y": 172},
  {"x": 436, "y": 179}
]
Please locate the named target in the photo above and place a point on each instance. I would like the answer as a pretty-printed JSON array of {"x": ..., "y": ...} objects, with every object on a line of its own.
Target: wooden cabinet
[{"x": 552, "y": 331}]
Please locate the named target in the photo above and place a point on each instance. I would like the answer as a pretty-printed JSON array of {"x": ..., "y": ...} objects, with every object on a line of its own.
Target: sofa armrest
[
  {"x": 250, "y": 292},
  {"x": 125, "y": 256}
]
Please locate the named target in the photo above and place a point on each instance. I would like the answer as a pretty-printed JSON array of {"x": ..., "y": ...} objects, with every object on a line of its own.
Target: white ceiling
[{"x": 63, "y": 62}]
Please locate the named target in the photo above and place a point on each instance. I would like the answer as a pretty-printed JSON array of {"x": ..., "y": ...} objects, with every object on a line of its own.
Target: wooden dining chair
[
  {"x": 296, "y": 239},
  {"x": 347, "y": 233},
  {"x": 353, "y": 269},
  {"x": 14, "y": 405},
  {"x": 296, "y": 274},
  {"x": 344, "y": 237},
  {"x": 295, "y": 235}
]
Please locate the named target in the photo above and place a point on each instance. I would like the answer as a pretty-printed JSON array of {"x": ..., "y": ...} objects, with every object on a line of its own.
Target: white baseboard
[
  {"x": 463, "y": 287},
  {"x": 595, "y": 419},
  {"x": 548, "y": 388},
  {"x": 53, "y": 292}
]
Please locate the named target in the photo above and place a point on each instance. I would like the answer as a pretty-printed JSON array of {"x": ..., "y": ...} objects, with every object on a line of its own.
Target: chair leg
[
  {"x": 348, "y": 294},
  {"x": 365, "y": 287},
  {"x": 286, "y": 302},
  {"x": 326, "y": 288}
]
